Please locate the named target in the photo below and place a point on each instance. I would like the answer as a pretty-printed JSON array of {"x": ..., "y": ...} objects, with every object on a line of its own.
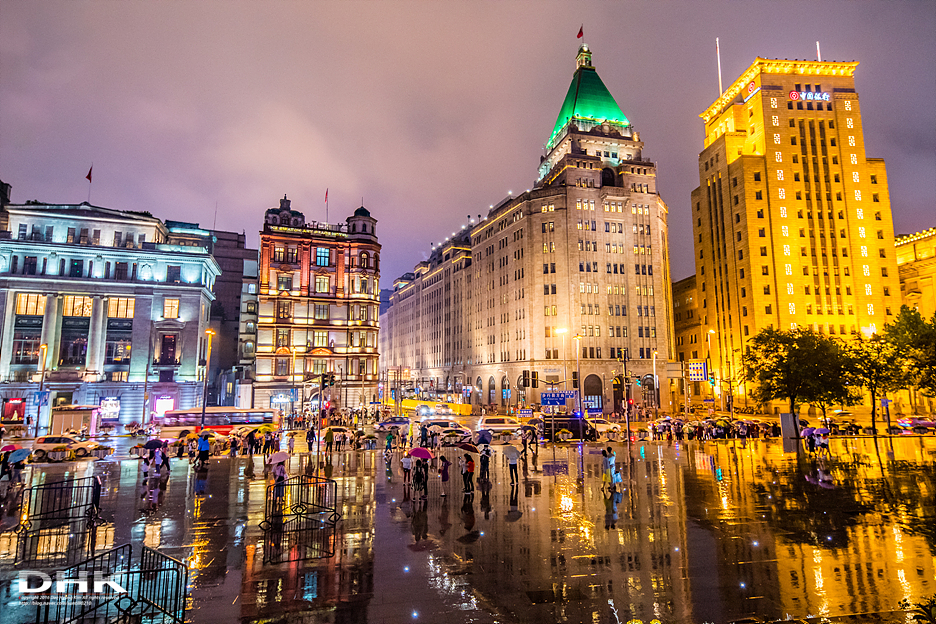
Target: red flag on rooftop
[
  {"x": 89, "y": 173},
  {"x": 581, "y": 32},
  {"x": 326, "y": 195}
]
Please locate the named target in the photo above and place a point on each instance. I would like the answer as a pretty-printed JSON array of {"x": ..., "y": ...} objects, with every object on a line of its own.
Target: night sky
[{"x": 430, "y": 111}]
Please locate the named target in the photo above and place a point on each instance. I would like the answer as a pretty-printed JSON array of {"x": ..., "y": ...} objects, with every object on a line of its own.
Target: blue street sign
[
  {"x": 708, "y": 400},
  {"x": 556, "y": 398},
  {"x": 525, "y": 412},
  {"x": 40, "y": 399},
  {"x": 596, "y": 411}
]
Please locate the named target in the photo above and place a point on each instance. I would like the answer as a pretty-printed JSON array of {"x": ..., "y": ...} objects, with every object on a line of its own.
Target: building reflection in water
[{"x": 697, "y": 532}]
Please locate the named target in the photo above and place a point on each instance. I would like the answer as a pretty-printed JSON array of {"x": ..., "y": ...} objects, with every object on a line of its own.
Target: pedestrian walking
[
  {"x": 407, "y": 464},
  {"x": 469, "y": 473},
  {"x": 329, "y": 439},
  {"x": 235, "y": 444},
  {"x": 444, "y": 472},
  {"x": 390, "y": 441},
  {"x": 204, "y": 450},
  {"x": 291, "y": 444},
  {"x": 486, "y": 453},
  {"x": 512, "y": 459},
  {"x": 420, "y": 478}
]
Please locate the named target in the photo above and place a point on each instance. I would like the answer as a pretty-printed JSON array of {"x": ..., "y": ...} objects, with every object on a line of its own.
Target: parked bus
[{"x": 178, "y": 423}]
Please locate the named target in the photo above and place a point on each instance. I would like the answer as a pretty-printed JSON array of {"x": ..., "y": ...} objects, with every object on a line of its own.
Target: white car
[
  {"x": 499, "y": 424},
  {"x": 442, "y": 408},
  {"x": 604, "y": 426},
  {"x": 45, "y": 444}
]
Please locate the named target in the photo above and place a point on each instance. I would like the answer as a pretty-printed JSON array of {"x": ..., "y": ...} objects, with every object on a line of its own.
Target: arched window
[{"x": 364, "y": 258}]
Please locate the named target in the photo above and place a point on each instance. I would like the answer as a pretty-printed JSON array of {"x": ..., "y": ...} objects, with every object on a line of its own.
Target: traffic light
[
  {"x": 711, "y": 379},
  {"x": 331, "y": 379},
  {"x": 525, "y": 382},
  {"x": 535, "y": 379},
  {"x": 575, "y": 379},
  {"x": 638, "y": 381},
  {"x": 324, "y": 383}
]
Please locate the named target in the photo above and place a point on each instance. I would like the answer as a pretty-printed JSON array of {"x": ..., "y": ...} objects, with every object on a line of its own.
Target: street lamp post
[
  {"x": 578, "y": 391},
  {"x": 211, "y": 334},
  {"x": 656, "y": 389},
  {"x": 708, "y": 356},
  {"x": 43, "y": 354}
]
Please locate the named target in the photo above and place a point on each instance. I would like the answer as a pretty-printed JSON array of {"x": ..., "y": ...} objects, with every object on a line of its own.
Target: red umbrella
[
  {"x": 421, "y": 453},
  {"x": 10, "y": 447},
  {"x": 467, "y": 446}
]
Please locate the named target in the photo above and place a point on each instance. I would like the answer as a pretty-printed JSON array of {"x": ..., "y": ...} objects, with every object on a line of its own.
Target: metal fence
[
  {"x": 298, "y": 539},
  {"x": 302, "y": 495},
  {"x": 50, "y": 505},
  {"x": 152, "y": 591}
]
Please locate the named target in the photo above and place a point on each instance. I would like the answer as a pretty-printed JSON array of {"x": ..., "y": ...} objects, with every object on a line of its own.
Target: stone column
[
  {"x": 94, "y": 364},
  {"x": 6, "y": 341},
  {"x": 50, "y": 333}
]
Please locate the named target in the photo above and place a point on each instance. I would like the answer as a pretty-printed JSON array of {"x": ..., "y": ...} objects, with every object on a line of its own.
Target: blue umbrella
[
  {"x": 484, "y": 437},
  {"x": 18, "y": 455}
]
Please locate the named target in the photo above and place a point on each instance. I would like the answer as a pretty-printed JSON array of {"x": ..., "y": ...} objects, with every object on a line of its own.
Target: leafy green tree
[
  {"x": 878, "y": 368},
  {"x": 915, "y": 340},
  {"x": 798, "y": 365},
  {"x": 835, "y": 383}
]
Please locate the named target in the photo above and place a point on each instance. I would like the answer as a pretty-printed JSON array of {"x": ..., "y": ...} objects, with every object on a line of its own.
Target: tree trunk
[{"x": 873, "y": 410}]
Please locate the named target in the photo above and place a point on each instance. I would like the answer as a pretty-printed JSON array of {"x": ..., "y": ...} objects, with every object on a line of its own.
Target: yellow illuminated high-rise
[{"x": 791, "y": 221}]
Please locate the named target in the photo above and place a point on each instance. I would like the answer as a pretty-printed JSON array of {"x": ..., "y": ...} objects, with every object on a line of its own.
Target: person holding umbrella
[
  {"x": 278, "y": 461},
  {"x": 468, "y": 467},
  {"x": 485, "y": 454},
  {"x": 444, "y": 464},
  {"x": 513, "y": 455}
]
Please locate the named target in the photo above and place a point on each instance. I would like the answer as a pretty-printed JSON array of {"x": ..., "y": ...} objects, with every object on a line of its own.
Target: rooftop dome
[
  {"x": 362, "y": 212},
  {"x": 587, "y": 99}
]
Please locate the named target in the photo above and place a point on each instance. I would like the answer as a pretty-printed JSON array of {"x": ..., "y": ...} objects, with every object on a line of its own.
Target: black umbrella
[
  {"x": 469, "y": 538},
  {"x": 153, "y": 444}
]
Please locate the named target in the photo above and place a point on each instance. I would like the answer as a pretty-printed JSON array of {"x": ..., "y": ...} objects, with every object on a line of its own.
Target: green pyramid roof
[{"x": 587, "y": 99}]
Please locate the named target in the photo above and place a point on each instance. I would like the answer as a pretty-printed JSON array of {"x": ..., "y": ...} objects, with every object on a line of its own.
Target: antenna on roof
[
  {"x": 718, "y": 56},
  {"x": 214, "y": 224}
]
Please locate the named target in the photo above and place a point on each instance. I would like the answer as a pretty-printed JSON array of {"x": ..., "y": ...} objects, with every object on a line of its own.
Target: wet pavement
[{"x": 701, "y": 532}]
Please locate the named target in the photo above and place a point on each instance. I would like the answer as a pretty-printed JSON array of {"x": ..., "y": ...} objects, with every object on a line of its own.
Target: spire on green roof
[{"x": 588, "y": 99}]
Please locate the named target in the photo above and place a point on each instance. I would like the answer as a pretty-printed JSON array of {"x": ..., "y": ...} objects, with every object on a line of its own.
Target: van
[{"x": 580, "y": 428}]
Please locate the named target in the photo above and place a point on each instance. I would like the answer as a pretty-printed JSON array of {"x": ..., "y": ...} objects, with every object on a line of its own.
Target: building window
[
  {"x": 284, "y": 310},
  {"x": 282, "y": 337},
  {"x": 76, "y": 305},
  {"x": 30, "y": 304},
  {"x": 292, "y": 255},
  {"x": 321, "y": 312},
  {"x": 170, "y": 308},
  {"x": 282, "y": 367},
  {"x": 120, "y": 308},
  {"x": 279, "y": 254},
  {"x": 174, "y": 274},
  {"x": 117, "y": 350},
  {"x": 120, "y": 271},
  {"x": 284, "y": 282},
  {"x": 321, "y": 256},
  {"x": 26, "y": 347},
  {"x": 321, "y": 284},
  {"x": 251, "y": 307}
]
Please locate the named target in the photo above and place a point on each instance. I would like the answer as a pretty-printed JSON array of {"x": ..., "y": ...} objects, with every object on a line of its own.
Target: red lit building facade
[{"x": 318, "y": 310}]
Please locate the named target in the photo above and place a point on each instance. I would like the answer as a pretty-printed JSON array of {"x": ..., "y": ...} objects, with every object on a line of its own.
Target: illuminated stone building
[
  {"x": 574, "y": 272},
  {"x": 916, "y": 265},
  {"x": 318, "y": 308},
  {"x": 791, "y": 221},
  {"x": 121, "y": 300}
]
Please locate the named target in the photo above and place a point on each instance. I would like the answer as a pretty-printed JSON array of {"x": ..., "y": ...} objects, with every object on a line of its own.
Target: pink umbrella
[
  {"x": 421, "y": 453},
  {"x": 10, "y": 447}
]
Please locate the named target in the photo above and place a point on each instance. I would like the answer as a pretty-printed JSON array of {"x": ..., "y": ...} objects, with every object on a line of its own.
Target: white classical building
[{"x": 122, "y": 309}]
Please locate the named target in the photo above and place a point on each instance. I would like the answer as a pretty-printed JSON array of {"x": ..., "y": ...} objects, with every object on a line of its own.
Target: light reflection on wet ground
[{"x": 701, "y": 532}]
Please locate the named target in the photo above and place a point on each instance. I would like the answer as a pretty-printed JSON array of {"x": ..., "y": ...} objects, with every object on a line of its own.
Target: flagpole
[
  {"x": 718, "y": 55},
  {"x": 818, "y": 53},
  {"x": 326, "y": 205},
  {"x": 89, "y": 182}
]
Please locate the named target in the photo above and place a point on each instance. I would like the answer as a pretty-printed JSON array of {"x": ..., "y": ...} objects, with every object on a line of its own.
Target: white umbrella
[
  {"x": 277, "y": 457},
  {"x": 511, "y": 451}
]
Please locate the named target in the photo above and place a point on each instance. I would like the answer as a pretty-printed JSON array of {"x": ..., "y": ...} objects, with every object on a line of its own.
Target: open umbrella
[
  {"x": 484, "y": 437},
  {"x": 153, "y": 444},
  {"x": 822, "y": 430},
  {"x": 469, "y": 538},
  {"x": 510, "y": 451},
  {"x": 807, "y": 431},
  {"x": 10, "y": 447},
  {"x": 277, "y": 457},
  {"x": 467, "y": 446},
  {"x": 421, "y": 453},
  {"x": 18, "y": 455}
]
